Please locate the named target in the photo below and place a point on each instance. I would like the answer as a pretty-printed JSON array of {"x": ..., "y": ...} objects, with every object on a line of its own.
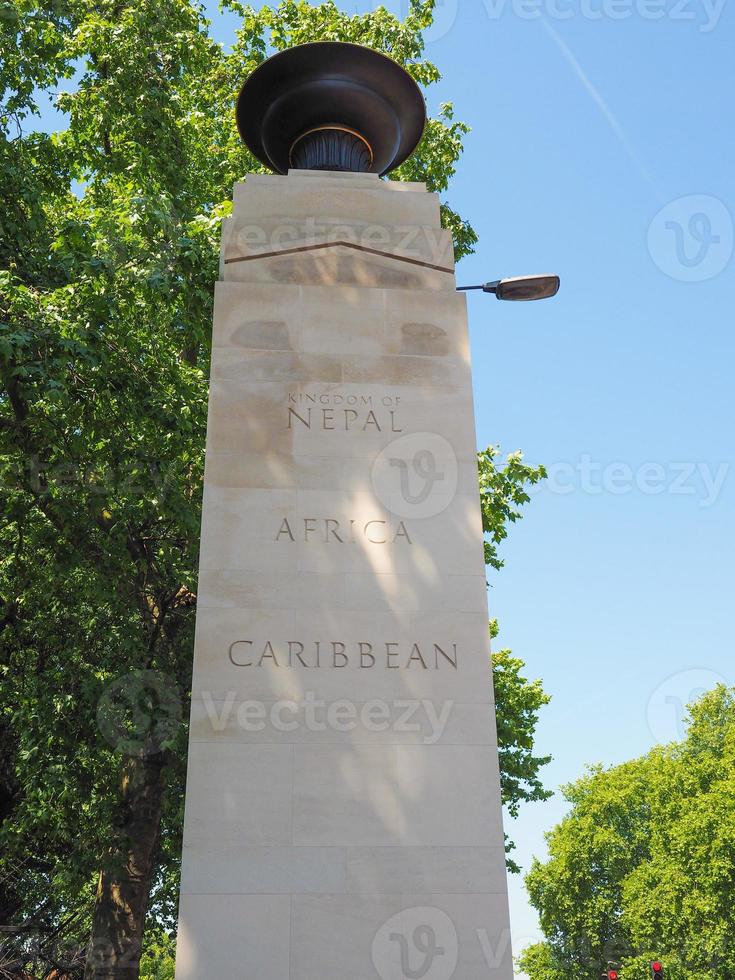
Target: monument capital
[{"x": 332, "y": 106}]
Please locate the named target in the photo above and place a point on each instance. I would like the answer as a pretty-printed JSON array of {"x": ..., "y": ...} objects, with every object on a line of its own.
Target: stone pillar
[{"x": 343, "y": 816}]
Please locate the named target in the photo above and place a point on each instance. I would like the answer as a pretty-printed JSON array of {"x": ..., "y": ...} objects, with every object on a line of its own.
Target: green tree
[
  {"x": 644, "y": 863},
  {"x": 109, "y": 236},
  {"x": 159, "y": 956},
  {"x": 517, "y": 705},
  {"x": 503, "y": 490}
]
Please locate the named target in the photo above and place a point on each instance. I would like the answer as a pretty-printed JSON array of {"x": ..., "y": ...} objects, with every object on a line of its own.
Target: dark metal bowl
[{"x": 331, "y": 105}]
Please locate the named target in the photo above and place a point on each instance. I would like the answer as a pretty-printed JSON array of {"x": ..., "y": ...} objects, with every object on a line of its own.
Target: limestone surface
[{"x": 343, "y": 817}]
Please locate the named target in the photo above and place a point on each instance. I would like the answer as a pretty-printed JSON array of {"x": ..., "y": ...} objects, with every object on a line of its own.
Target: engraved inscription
[
  {"x": 329, "y": 530},
  {"x": 335, "y": 412},
  {"x": 345, "y": 420},
  {"x": 389, "y": 654}
]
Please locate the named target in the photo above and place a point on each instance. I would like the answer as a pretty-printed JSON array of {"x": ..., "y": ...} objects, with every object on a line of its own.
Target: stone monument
[{"x": 343, "y": 817}]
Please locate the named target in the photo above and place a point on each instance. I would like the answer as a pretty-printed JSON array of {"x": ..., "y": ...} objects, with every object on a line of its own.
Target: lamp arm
[{"x": 487, "y": 287}]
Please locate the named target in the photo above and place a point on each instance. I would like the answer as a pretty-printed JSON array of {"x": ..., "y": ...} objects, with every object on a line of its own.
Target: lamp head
[{"x": 523, "y": 287}]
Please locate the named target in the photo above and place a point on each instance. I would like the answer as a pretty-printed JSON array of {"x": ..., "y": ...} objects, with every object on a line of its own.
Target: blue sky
[{"x": 588, "y": 118}]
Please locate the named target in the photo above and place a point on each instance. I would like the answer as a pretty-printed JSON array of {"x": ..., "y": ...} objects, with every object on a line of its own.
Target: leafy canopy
[{"x": 643, "y": 865}]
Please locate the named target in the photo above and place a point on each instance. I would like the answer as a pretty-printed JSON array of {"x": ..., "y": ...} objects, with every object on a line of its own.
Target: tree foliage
[
  {"x": 502, "y": 492},
  {"x": 643, "y": 866},
  {"x": 517, "y": 705}
]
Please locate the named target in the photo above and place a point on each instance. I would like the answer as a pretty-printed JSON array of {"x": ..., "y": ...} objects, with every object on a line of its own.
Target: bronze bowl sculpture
[{"x": 331, "y": 105}]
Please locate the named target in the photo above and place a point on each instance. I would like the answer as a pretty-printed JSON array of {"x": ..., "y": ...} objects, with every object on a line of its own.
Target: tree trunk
[{"x": 125, "y": 882}]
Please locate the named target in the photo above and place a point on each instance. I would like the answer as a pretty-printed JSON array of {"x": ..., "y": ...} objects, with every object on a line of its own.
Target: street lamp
[{"x": 520, "y": 287}]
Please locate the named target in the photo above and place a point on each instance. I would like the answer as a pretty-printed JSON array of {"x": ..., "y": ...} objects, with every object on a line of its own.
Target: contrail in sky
[{"x": 602, "y": 106}]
